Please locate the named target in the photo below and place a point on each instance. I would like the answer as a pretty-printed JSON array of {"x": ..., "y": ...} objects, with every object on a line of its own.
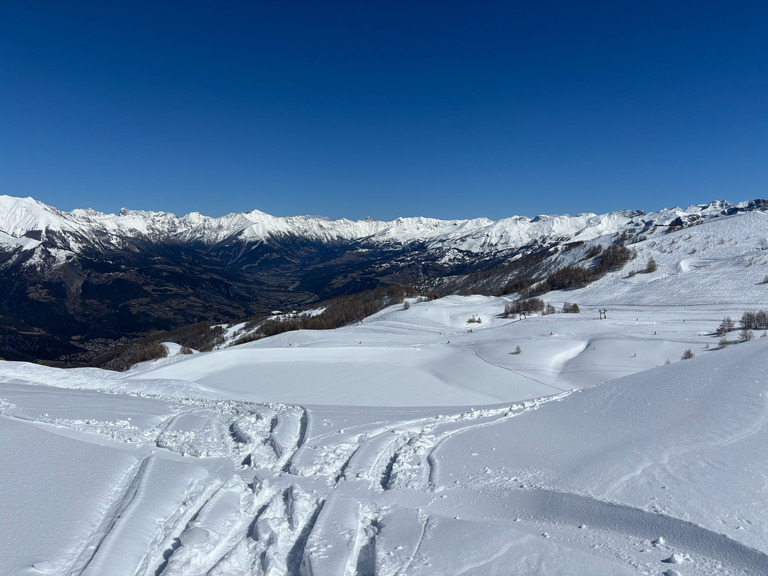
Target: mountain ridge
[
  {"x": 23, "y": 217},
  {"x": 71, "y": 279}
]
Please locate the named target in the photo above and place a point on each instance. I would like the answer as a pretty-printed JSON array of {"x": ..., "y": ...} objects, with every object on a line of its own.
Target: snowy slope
[
  {"x": 241, "y": 461},
  {"x": 723, "y": 261},
  {"x": 431, "y": 354}
]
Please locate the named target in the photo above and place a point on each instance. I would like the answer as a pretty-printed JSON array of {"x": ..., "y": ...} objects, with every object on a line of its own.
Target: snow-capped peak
[{"x": 20, "y": 216}]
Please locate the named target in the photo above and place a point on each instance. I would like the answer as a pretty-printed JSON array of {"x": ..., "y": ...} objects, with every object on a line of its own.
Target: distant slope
[{"x": 724, "y": 261}]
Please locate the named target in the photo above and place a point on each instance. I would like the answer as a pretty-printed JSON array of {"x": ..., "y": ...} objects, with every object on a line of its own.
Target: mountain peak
[{"x": 20, "y": 215}]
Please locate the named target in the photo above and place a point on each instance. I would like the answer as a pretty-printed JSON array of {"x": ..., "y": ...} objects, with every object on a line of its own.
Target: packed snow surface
[{"x": 413, "y": 443}]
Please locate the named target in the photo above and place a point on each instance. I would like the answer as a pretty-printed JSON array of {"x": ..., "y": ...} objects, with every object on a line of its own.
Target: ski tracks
[
  {"x": 247, "y": 528},
  {"x": 202, "y": 498},
  {"x": 279, "y": 501},
  {"x": 403, "y": 455},
  {"x": 353, "y": 535},
  {"x": 123, "y": 499}
]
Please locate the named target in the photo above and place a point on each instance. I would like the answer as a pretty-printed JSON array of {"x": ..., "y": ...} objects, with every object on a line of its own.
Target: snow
[
  {"x": 381, "y": 448},
  {"x": 431, "y": 352},
  {"x": 723, "y": 261},
  {"x": 36, "y": 480},
  {"x": 416, "y": 441}
]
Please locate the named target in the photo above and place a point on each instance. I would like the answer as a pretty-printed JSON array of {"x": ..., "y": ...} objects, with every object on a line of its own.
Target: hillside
[{"x": 582, "y": 454}]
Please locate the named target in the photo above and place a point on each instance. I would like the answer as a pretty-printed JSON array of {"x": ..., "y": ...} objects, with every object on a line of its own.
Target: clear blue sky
[{"x": 382, "y": 109}]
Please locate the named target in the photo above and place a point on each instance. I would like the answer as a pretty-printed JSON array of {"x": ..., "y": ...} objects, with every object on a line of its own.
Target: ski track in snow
[
  {"x": 224, "y": 521},
  {"x": 520, "y": 373},
  {"x": 270, "y": 525},
  {"x": 122, "y": 501},
  {"x": 222, "y": 487}
]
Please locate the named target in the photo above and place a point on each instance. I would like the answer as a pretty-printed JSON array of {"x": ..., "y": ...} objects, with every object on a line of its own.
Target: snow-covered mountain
[
  {"x": 71, "y": 278},
  {"x": 28, "y": 224}
]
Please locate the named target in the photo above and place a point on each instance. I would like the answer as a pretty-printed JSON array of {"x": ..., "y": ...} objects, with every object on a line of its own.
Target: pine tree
[{"x": 725, "y": 326}]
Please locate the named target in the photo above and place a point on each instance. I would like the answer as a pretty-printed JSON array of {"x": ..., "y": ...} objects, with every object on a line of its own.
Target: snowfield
[{"x": 412, "y": 443}]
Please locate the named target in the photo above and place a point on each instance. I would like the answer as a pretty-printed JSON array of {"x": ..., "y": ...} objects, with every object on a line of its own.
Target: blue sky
[{"x": 383, "y": 109}]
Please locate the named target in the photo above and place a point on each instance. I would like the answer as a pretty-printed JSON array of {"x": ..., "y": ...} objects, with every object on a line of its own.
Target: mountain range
[{"x": 76, "y": 282}]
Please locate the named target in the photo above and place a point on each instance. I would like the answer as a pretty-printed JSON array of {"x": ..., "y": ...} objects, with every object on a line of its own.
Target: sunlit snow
[
  {"x": 412, "y": 443},
  {"x": 416, "y": 442}
]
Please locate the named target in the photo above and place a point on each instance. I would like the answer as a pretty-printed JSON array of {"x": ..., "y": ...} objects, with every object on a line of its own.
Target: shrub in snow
[
  {"x": 651, "y": 266},
  {"x": 723, "y": 342},
  {"x": 610, "y": 259},
  {"x": 406, "y": 305},
  {"x": 343, "y": 310},
  {"x": 746, "y": 335},
  {"x": 185, "y": 350},
  {"x": 519, "y": 285},
  {"x": 516, "y": 351},
  {"x": 687, "y": 355}
]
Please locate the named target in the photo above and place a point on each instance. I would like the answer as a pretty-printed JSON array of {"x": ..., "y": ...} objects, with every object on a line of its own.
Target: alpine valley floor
[{"x": 413, "y": 443}]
